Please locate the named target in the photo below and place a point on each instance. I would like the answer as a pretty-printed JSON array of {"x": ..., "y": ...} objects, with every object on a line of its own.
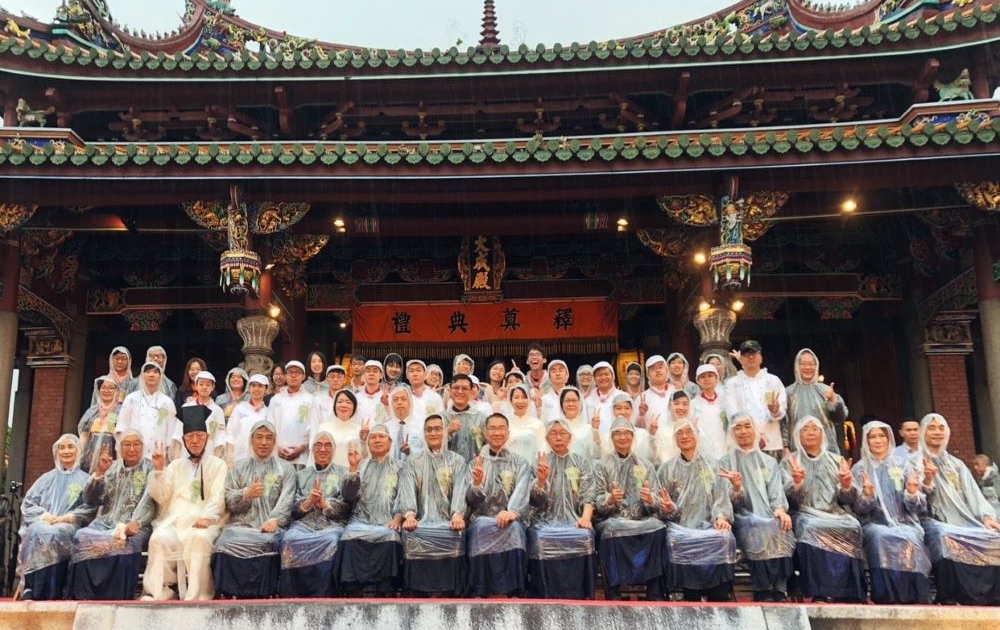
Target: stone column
[
  {"x": 919, "y": 372},
  {"x": 74, "y": 401},
  {"x": 258, "y": 333},
  {"x": 48, "y": 359},
  {"x": 11, "y": 268},
  {"x": 947, "y": 342},
  {"x": 714, "y": 326},
  {"x": 989, "y": 322}
]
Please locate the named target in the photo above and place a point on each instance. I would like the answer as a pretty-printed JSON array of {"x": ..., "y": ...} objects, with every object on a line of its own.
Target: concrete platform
[{"x": 393, "y": 614}]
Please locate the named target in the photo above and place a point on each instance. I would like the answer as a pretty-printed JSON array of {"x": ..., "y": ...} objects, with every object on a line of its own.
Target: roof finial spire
[{"x": 491, "y": 36}]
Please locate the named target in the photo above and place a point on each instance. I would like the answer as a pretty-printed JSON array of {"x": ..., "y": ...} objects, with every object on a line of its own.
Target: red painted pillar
[
  {"x": 48, "y": 358},
  {"x": 948, "y": 340}
]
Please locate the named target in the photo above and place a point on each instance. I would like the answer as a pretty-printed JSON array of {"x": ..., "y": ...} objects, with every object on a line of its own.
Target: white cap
[
  {"x": 260, "y": 379},
  {"x": 416, "y": 361},
  {"x": 653, "y": 360},
  {"x": 336, "y": 367},
  {"x": 705, "y": 369},
  {"x": 373, "y": 363},
  {"x": 474, "y": 379},
  {"x": 297, "y": 364},
  {"x": 204, "y": 375},
  {"x": 603, "y": 364},
  {"x": 558, "y": 362}
]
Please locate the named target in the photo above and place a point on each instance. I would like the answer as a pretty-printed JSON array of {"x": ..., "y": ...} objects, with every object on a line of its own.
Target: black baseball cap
[{"x": 750, "y": 346}]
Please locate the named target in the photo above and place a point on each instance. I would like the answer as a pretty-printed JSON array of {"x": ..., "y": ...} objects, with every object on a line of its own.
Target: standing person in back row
[
  {"x": 760, "y": 394},
  {"x": 808, "y": 396},
  {"x": 289, "y": 412}
]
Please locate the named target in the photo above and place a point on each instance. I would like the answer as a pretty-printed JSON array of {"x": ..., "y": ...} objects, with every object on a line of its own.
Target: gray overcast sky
[{"x": 407, "y": 24}]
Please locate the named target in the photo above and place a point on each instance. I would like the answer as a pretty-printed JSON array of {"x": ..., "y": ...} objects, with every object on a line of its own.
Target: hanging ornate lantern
[
  {"x": 732, "y": 259},
  {"x": 239, "y": 266},
  {"x": 240, "y": 271}
]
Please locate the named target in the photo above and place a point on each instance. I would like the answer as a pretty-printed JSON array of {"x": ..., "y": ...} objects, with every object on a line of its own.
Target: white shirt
[
  {"x": 244, "y": 416},
  {"x": 749, "y": 394},
  {"x": 410, "y": 429},
  {"x": 370, "y": 407},
  {"x": 290, "y": 415},
  {"x": 659, "y": 406},
  {"x": 153, "y": 416},
  {"x": 426, "y": 403},
  {"x": 710, "y": 419}
]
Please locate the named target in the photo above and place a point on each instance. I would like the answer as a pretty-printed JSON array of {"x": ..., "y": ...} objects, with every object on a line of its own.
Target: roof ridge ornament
[{"x": 490, "y": 33}]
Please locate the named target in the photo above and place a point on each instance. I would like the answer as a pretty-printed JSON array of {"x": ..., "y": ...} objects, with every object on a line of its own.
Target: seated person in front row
[
  {"x": 432, "y": 500},
  {"x": 561, "y": 536},
  {"x": 889, "y": 507},
  {"x": 190, "y": 494},
  {"x": 631, "y": 542},
  {"x": 498, "y": 505},
  {"x": 761, "y": 524},
  {"x": 694, "y": 501},
  {"x": 962, "y": 532},
  {"x": 260, "y": 490},
  {"x": 309, "y": 546},
  {"x": 369, "y": 558},
  {"x": 818, "y": 484},
  {"x": 52, "y": 511},
  {"x": 107, "y": 554}
]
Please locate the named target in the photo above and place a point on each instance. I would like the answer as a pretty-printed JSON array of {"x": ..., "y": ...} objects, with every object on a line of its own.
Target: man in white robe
[{"x": 191, "y": 502}]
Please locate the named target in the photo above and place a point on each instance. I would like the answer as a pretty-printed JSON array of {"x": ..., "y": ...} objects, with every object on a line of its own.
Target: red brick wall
[
  {"x": 950, "y": 397},
  {"x": 47, "y": 398}
]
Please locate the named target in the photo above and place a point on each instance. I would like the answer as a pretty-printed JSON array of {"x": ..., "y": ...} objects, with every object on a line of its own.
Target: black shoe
[
  {"x": 612, "y": 593},
  {"x": 763, "y": 596},
  {"x": 778, "y": 596},
  {"x": 822, "y": 600}
]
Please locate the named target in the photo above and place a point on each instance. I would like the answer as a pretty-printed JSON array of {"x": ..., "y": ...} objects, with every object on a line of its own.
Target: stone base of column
[{"x": 258, "y": 333}]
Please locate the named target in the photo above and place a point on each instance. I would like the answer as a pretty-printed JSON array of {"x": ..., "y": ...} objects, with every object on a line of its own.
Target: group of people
[{"x": 319, "y": 482}]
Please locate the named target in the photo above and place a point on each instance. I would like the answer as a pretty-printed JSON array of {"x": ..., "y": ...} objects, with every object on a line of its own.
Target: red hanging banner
[{"x": 422, "y": 325}]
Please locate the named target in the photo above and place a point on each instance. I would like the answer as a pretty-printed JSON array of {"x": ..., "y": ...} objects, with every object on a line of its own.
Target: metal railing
[{"x": 10, "y": 522}]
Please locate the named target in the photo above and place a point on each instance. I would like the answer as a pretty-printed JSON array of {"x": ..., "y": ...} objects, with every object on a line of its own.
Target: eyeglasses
[{"x": 323, "y": 445}]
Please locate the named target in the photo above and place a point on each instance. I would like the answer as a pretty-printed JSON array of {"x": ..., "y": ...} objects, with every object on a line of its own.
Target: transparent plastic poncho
[
  {"x": 470, "y": 437},
  {"x": 242, "y": 537},
  {"x": 506, "y": 486},
  {"x": 630, "y": 517},
  {"x": 58, "y": 492},
  {"x": 97, "y": 428},
  {"x": 314, "y": 536},
  {"x": 120, "y": 497},
  {"x": 433, "y": 486},
  {"x": 700, "y": 497},
  {"x": 758, "y": 533},
  {"x": 372, "y": 492},
  {"x": 818, "y": 513},
  {"x": 954, "y": 530},
  {"x": 808, "y": 398},
  {"x": 569, "y": 487},
  {"x": 890, "y": 519}
]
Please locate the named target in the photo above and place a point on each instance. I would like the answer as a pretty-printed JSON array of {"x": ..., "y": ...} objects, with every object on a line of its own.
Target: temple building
[{"x": 797, "y": 172}]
